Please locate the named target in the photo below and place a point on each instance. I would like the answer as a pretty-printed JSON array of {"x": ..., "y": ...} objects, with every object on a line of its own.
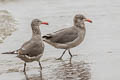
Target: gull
[
  {"x": 68, "y": 38},
  {"x": 33, "y": 49}
]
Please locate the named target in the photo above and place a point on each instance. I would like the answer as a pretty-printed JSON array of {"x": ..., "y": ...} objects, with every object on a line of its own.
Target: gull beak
[
  {"x": 88, "y": 20},
  {"x": 46, "y": 23}
]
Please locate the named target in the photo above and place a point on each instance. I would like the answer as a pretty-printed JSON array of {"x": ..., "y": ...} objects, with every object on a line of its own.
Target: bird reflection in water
[
  {"x": 73, "y": 71},
  {"x": 67, "y": 70},
  {"x": 34, "y": 77}
]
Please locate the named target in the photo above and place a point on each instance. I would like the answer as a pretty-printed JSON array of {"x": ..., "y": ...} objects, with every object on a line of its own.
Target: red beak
[
  {"x": 88, "y": 20},
  {"x": 46, "y": 23}
]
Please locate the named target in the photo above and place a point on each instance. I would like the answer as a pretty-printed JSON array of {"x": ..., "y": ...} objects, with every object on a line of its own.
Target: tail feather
[{"x": 12, "y": 52}]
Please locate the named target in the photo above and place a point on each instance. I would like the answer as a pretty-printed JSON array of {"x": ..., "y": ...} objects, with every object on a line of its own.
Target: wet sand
[{"x": 97, "y": 58}]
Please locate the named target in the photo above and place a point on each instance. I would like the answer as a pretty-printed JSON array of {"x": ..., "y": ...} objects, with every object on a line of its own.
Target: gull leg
[
  {"x": 40, "y": 65},
  {"x": 70, "y": 56},
  {"x": 61, "y": 55},
  {"x": 40, "y": 70},
  {"x": 24, "y": 67},
  {"x": 70, "y": 53}
]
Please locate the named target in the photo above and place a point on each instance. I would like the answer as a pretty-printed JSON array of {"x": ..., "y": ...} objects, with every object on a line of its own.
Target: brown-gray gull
[
  {"x": 68, "y": 38},
  {"x": 33, "y": 49}
]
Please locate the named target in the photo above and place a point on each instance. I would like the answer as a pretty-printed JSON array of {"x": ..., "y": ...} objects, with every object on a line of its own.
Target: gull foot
[{"x": 59, "y": 58}]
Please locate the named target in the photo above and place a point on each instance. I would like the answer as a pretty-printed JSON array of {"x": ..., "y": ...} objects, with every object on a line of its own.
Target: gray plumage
[
  {"x": 68, "y": 38},
  {"x": 33, "y": 49},
  {"x": 65, "y": 35}
]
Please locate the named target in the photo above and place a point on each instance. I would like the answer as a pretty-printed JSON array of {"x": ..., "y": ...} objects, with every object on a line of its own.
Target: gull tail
[{"x": 12, "y": 52}]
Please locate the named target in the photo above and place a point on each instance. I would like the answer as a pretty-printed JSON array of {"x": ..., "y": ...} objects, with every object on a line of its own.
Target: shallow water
[{"x": 98, "y": 55}]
